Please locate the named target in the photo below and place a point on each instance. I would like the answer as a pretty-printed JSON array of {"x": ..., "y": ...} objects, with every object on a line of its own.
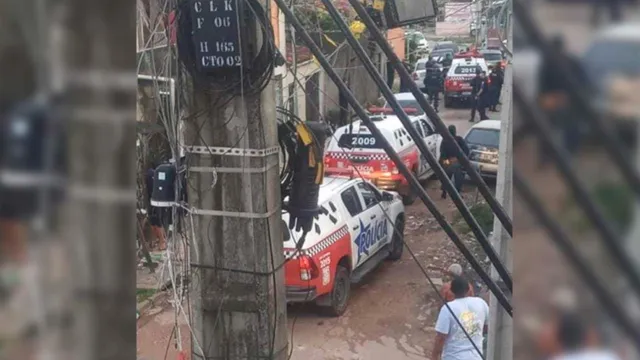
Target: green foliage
[
  {"x": 614, "y": 200},
  {"x": 482, "y": 213},
  {"x": 144, "y": 294}
]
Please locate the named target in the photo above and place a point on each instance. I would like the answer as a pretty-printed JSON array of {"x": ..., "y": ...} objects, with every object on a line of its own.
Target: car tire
[
  {"x": 397, "y": 241},
  {"x": 339, "y": 296},
  {"x": 409, "y": 198}
]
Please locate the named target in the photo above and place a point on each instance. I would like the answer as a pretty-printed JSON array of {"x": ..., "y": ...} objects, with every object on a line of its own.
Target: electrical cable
[
  {"x": 423, "y": 270},
  {"x": 495, "y": 289},
  {"x": 229, "y": 83},
  {"x": 422, "y": 147},
  {"x": 609, "y": 238},
  {"x": 442, "y": 129},
  {"x": 610, "y": 141},
  {"x": 562, "y": 241}
]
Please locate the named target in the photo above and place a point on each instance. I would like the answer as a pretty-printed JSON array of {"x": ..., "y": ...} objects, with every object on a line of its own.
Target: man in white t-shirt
[{"x": 472, "y": 312}]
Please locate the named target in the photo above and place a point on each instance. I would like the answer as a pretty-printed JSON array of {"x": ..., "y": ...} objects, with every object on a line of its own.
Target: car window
[
  {"x": 427, "y": 127},
  {"x": 409, "y": 103},
  {"x": 492, "y": 56},
  {"x": 466, "y": 69},
  {"x": 484, "y": 137},
  {"x": 421, "y": 66},
  {"x": 370, "y": 196},
  {"x": 351, "y": 201}
]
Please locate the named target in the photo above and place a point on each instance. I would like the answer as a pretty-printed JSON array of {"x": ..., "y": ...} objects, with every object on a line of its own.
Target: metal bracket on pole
[
  {"x": 245, "y": 215},
  {"x": 231, "y": 151}
]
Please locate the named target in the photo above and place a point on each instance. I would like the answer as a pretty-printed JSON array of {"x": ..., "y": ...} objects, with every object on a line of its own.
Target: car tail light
[
  {"x": 415, "y": 76},
  {"x": 308, "y": 269}
]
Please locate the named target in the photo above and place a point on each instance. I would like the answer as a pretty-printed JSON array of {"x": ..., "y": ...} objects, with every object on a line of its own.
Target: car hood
[{"x": 483, "y": 148}]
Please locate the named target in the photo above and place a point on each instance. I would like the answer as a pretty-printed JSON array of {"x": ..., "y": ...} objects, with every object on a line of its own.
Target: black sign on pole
[{"x": 216, "y": 34}]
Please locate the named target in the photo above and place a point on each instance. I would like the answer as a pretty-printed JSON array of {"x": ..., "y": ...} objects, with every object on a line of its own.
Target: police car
[
  {"x": 353, "y": 236},
  {"x": 457, "y": 84},
  {"x": 354, "y": 151}
]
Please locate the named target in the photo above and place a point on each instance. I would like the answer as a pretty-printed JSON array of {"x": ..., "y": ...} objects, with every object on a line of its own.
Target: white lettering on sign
[
  {"x": 219, "y": 61},
  {"x": 225, "y": 47},
  {"x": 222, "y": 22},
  {"x": 216, "y": 23}
]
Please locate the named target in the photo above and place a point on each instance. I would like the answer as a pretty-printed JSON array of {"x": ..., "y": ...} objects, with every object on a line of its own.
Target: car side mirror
[{"x": 387, "y": 196}]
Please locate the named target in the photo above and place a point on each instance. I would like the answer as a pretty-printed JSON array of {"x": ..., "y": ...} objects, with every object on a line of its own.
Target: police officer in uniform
[
  {"x": 494, "y": 89},
  {"x": 477, "y": 88},
  {"x": 433, "y": 82}
]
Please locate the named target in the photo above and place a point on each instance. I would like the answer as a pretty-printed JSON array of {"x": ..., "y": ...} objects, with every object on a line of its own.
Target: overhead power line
[{"x": 360, "y": 111}]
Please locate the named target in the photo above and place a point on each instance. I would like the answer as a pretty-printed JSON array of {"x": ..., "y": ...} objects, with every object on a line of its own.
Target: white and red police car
[
  {"x": 457, "y": 83},
  {"x": 354, "y": 151},
  {"x": 353, "y": 236}
]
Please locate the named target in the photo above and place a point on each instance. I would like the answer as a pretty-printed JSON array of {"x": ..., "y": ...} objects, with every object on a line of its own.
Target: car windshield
[
  {"x": 484, "y": 137},
  {"x": 445, "y": 46},
  {"x": 607, "y": 58},
  {"x": 441, "y": 53},
  {"x": 409, "y": 103},
  {"x": 492, "y": 56},
  {"x": 421, "y": 66}
]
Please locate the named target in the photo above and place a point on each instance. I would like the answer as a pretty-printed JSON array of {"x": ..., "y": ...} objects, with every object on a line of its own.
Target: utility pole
[
  {"x": 239, "y": 305},
  {"x": 500, "y": 341},
  {"x": 100, "y": 216}
]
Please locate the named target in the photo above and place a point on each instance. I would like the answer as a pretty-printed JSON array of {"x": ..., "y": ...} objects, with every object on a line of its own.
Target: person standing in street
[
  {"x": 555, "y": 100},
  {"x": 484, "y": 97},
  {"x": 452, "y": 343},
  {"x": 453, "y": 271},
  {"x": 433, "y": 83},
  {"x": 477, "y": 88},
  {"x": 449, "y": 160},
  {"x": 494, "y": 89}
]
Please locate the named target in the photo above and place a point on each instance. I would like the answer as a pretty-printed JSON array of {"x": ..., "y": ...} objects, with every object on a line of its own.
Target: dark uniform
[
  {"x": 484, "y": 99},
  {"x": 554, "y": 96},
  {"x": 433, "y": 83},
  {"x": 476, "y": 103},
  {"x": 494, "y": 89},
  {"x": 449, "y": 160}
]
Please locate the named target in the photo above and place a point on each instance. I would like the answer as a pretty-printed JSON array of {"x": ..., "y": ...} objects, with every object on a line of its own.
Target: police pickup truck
[{"x": 353, "y": 236}]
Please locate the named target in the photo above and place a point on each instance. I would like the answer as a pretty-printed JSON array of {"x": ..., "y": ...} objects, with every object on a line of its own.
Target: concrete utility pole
[
  {"x": 234, "y": 194},
  {"x": 500, "y": 342},
  {"x": 100, "y": 218}
]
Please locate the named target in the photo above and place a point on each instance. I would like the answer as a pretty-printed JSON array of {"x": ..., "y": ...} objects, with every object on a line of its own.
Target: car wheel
[
  {"x": 397, "y": 242},
  {"x": 339, "y": 296},
  {"x": 410, "y": 197}
]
